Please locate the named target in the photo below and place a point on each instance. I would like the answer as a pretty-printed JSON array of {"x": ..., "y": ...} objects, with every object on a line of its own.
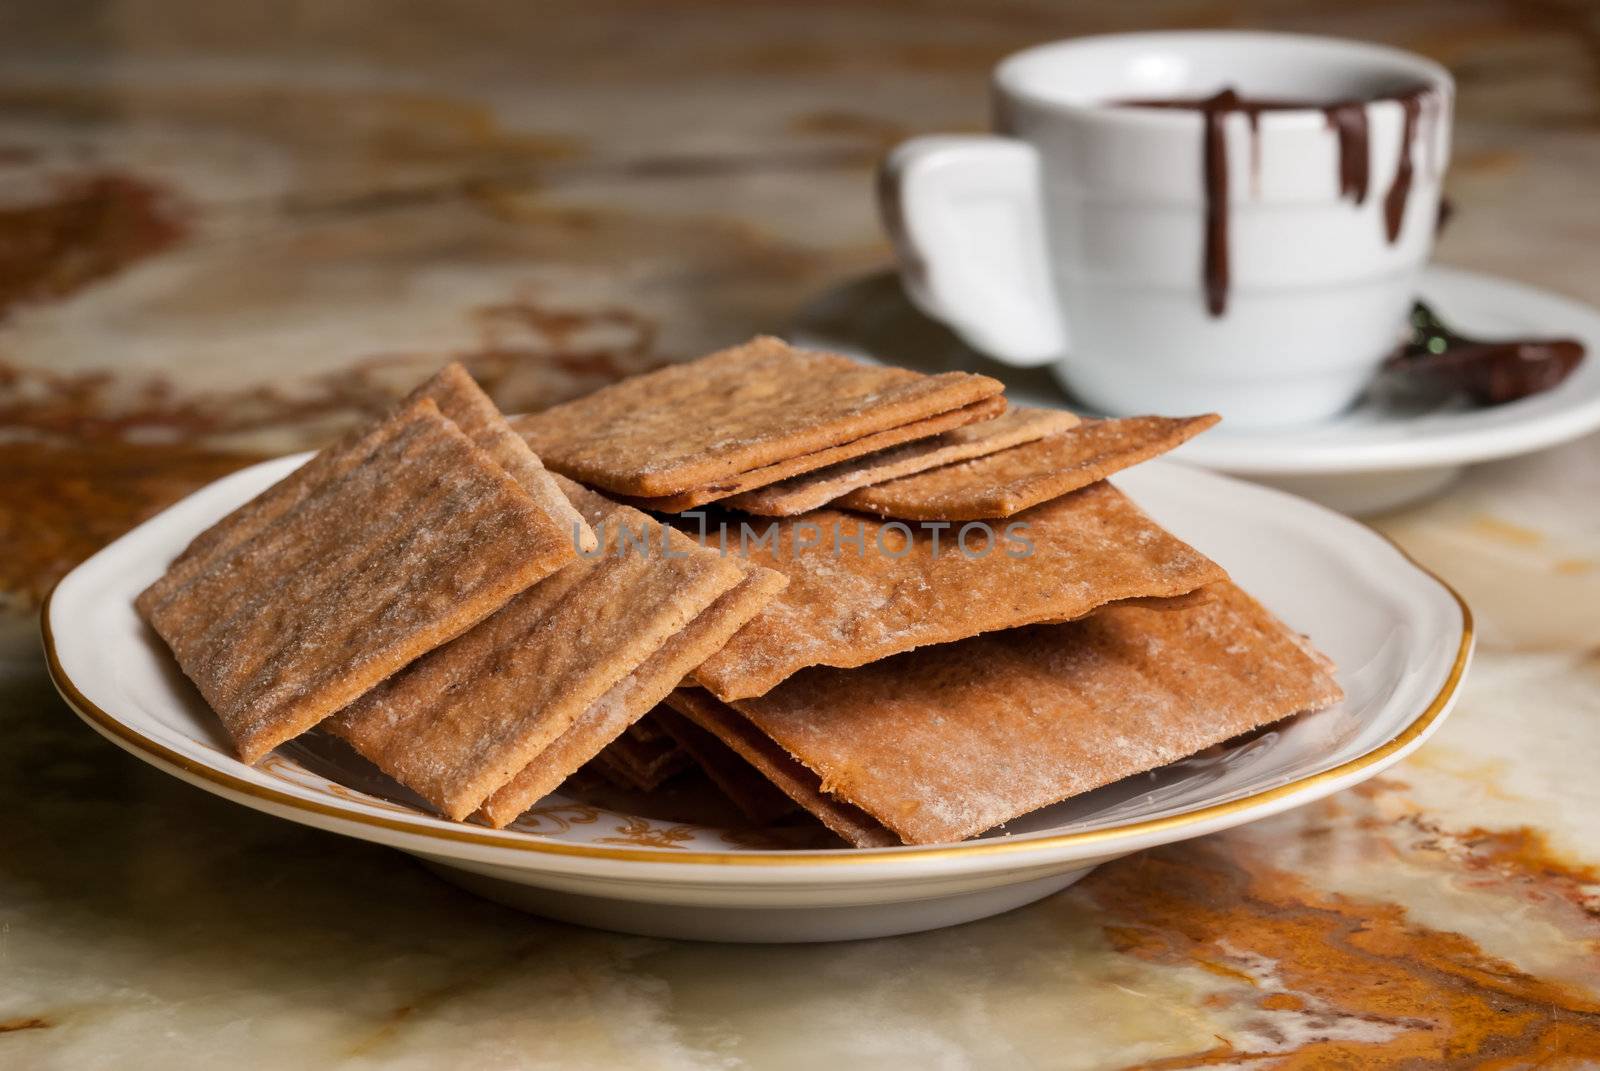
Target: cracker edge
[{"x": 633, "y": 696}]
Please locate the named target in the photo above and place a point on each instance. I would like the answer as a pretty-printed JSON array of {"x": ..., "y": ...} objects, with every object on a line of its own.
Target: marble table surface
[{"x": 226, "y": 232}]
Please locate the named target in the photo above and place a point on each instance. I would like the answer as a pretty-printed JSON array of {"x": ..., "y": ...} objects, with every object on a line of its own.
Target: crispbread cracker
[
  {"x": 463, "y": 401},
  {"x": 460, "y": 399},
  {"x": 693, "y": 424},
  {"x": 778, "y": 766},
  {"x": 846, "y": 609},
  {"x": 411, "y": 543},
  {"x": 756, "y": 797},
  {"x": 632, "y": 697},
  {"x": 1006, "y": 483},
  {"x": 461, "y": 722},
  {"x": 943, "y": 743},
  {"x": 815, "y": 489},
  {"x": 978, "y": 413},
  {"x": 641, "y": 760}
]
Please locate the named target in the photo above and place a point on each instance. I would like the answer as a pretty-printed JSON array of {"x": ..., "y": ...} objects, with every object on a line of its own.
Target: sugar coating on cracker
[
  {"x": 459, "y": 398},
  {"x": 742, "y": 408},
  {"x": 946, "y": 742},
  {"x": 913, "y": 586},
  {"x": 644, "y": 687},
  {"x": 413, "y": 536},
  {"x": 466, "y": 719},
  {"x": 974, "y": 415},
  {"x": 791, "y": 777},
  {"x": 1006, "y": 483},
  {"x": 817, "y": 488}
]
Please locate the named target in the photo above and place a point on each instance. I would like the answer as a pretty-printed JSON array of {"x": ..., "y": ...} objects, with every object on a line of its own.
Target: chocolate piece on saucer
[{"x": 1493, "y": 371}]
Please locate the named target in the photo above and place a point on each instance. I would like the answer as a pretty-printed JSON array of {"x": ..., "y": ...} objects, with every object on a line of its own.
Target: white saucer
[
  {"x": 1401, "y": 638},
  {"x": 1381, "y": 454}
]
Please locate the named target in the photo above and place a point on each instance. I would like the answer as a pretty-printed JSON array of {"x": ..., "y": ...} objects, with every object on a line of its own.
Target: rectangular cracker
[
  {"x": 815, "y": 489},
  {"x": 944, "y": 743},
  {"x": 691, "y": 425},
  {"x": 634, "y": 695},
  {"x": 463, "y": 721},
  {"x": 978, "y": 414},
  {"x": 414, "y": 536},
  {"x": 757, "y": 798},
  {"x": 788, "y": 775},
  {"x": 641, "y": 760},
  {"x": 1011, "y": 481},
  {"x": 460, "y": 399},
  {"x": 846, "y": 609}
]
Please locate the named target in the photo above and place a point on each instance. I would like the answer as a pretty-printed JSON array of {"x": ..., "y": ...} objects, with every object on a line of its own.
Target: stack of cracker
[{"x": 869, "y": 595}]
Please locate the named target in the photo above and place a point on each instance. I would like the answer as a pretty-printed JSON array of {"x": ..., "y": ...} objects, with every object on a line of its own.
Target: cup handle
[{"x": 964, "y": 214}]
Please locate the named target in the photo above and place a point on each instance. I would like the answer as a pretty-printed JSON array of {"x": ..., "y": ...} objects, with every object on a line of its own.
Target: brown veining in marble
[
  {"x": 89, "y": 456},
  {"x": 430, "y": 1000},
  {"x": 390, "y": 126},
  {"x": 61, "y": 503},
  {"x": 529, "y": 356},
  {"x": 453, "y": 162},
  {"x": 1509, "y": 532},
  {"x": 855, "y": 126},
  {"x": 1523, "y": 855},
  {"x": 90, "y": 228},
  {"x": 1433, "y": 997}
]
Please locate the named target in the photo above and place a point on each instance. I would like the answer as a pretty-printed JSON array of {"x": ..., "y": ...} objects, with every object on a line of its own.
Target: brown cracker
[
  {"x": 757, "y": 798},
  {"x": 1006, "y": 483},
  {"x": 633, "y": 696},
  {"x": 641, "y": 758},
  {"x": 461, "y": 722},
  {"x": 943, "y": 743},
  {"x": 983, "y": 412},
  {"x": 691, "y": 425},
  {"x": 413, "y": 536},
  {"x": 463, "y": 401},
  {"x": 459, "y": 398},
  {"x": 778, "y": 766},
  {"x": 846, "y": 609},
  {"x": 815, "y": 489}
]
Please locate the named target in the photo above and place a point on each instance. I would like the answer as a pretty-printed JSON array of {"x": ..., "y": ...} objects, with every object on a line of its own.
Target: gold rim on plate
[{"x": 161, "y": 755}]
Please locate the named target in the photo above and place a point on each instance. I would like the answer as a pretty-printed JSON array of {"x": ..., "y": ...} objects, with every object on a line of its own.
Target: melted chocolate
[
  {"x": 1348, "y": 121},
  {"x": 1217, "y": 271},
  {"x": 1394, "y": 205},
  {"x": 1490, "y": 372}
]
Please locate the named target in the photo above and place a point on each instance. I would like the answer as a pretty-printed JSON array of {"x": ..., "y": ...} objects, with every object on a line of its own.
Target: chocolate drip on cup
[
  {"x": 1394, "y": 205},
  {"x": 1215, "y": 112},
  {"x": 1348, "y": 121}
]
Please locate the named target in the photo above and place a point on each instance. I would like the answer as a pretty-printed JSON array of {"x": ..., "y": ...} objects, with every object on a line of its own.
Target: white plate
[
  {"x": 1384, "y": 452},
  {"x": 1401, "y": 637}
]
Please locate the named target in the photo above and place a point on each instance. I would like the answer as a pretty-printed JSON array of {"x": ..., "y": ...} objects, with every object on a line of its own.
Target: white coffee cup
[{"x": 1078, "y": 236}]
